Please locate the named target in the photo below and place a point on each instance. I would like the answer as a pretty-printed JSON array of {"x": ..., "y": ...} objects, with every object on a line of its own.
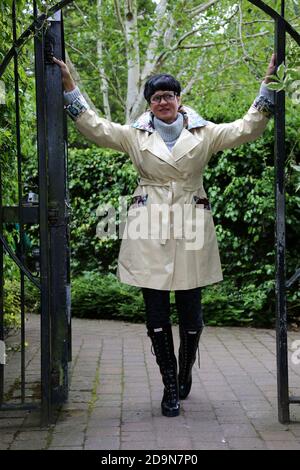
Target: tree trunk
[
  {"x": 103, "y": 79},
  {"x": 133, "y": 56}
]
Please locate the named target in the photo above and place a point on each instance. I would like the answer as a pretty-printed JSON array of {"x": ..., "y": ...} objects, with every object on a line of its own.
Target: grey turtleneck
[{"x": 169, "y": 132}]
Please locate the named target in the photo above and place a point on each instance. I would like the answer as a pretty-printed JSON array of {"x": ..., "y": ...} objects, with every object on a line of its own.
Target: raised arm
[
  {"x": 252, "y": 125},
  {"x": 99, "y": 130}
]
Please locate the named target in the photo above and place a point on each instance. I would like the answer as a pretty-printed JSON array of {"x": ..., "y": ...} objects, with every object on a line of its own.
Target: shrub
[
  {"x": 102, "y": 296},
  {"x": 95, "y": 295},
  {"x": 12, "y": 319}
]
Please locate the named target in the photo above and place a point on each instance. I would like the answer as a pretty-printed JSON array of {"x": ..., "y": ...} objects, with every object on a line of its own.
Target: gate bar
[
  {"x": 280, "y": 235},
  {"x": 58, "y": 212},
  {"x": 20, "y": 197},
  {"x": 1, "y": 297},
  {"x": 43, "y": 223}
]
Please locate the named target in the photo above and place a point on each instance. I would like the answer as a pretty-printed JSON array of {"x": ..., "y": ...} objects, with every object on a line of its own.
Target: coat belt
[{"x": 166, "y": 219}]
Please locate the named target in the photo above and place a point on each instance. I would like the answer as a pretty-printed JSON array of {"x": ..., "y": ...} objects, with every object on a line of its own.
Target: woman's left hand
[{"x": 271, "y": 70}]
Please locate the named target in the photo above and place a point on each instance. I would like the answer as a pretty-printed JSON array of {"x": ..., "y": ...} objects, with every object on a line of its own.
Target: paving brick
[
  {"x": 238, "y": 430},
  {"x": 232, "y": 404},
  {"x": 148, "y": 445},
  {"x": 283, "y": 445},
  {"x": 102, "y": 433},
  {"x": 28, "y": 445},
  {"x": 137, "y": 436},
  {"x": 282, "y": 436},
  {"x": 248, "y": 443},
  {"x": 107, "y": 443},
  {"x": 66, "y": 448},
  {"x": 60, "y": 439}
]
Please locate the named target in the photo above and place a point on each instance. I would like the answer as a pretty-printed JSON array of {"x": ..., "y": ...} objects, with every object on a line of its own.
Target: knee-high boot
[
  {"x": 189, "y": 340},
  {"x": 162, "y": 341}
]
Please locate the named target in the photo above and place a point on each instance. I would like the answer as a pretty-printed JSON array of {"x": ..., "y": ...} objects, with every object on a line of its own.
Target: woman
[{"x": 170, "y": 146}]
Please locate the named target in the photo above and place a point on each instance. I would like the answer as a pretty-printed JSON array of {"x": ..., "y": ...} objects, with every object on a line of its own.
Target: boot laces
[{"x": 185, "y": 362}]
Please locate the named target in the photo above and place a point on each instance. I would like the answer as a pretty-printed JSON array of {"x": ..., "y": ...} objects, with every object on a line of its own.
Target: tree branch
[
  {"x": 119, "y": 16},
  {"x": 231, "y": 41},
  {"x": 103, "y": 77},
  {"x": 194, "y": 79},
  {"x": 199, "y": 9},
  {"x": 161, "y": 21},
  {"x": 246, "y": 57},
  {"x": 82, "y": 14},
  {"x": 78, "y": 82},
  {"x": 162, "y": 57},
  {"x": 111, "y": 84},
  {"x": 258, "y": 21},
  {"x": 132, "y": 54}
]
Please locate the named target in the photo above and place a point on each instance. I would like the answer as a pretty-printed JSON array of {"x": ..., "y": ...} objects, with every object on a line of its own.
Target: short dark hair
[{"x": 161, "y": 81}]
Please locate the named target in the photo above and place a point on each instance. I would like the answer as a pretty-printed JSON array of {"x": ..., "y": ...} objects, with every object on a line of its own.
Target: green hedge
[
  {"x": 99, "y": 296},
  {"x": 12, "y": 317},
  {"x": 95, "y": 295}
]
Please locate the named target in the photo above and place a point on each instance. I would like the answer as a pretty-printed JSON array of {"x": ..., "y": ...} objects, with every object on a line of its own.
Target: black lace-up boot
[
  {"x": 162, "y": 341},
  {"x": 189, "y": 340}
]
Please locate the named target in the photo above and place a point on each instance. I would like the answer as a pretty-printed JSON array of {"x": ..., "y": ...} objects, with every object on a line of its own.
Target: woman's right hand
[{"x": 67, "y": 79}]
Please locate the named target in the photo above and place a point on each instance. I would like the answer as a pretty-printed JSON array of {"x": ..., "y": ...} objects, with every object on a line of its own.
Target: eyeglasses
[{"x": 168, "y": 97}]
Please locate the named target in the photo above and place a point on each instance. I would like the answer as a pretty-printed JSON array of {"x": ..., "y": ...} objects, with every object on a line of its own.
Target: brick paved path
[{"x": 115, "y": 394}]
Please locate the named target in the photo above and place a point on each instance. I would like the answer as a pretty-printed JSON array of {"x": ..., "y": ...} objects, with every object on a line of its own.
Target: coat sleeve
[
  {"x": 96, "y": 129},
  {"x": 246, "y": 129}
]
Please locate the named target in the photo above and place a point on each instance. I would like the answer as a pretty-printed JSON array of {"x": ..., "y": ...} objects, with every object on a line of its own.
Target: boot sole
[{"x": 170, "y": 413}]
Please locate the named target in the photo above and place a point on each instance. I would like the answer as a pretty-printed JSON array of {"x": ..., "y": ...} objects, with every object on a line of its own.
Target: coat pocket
[
  {"x": 202, "y": 203},
  {"x": 137, "y": 224},
  {"x": 139, "y": 200}
]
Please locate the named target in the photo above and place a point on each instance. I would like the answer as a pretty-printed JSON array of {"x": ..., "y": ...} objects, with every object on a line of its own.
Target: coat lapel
[
  {"x": 154, "y": 143},
  {"x": 185, "y": 143}
]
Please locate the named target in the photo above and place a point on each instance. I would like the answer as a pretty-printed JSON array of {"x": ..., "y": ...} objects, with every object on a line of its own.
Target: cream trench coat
[{"x": 164, "y": 259}]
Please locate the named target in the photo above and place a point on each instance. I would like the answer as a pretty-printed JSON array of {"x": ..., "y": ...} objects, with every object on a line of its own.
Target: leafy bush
[
  {"x": 12, "y": 319},
  {"x": 32, "y": 298},
  {"x": 225, "y": 304},
  {"x": 95, "y": 295},
  {"x": 97, "y": 177},
  {"x": 99, "y": 296}
]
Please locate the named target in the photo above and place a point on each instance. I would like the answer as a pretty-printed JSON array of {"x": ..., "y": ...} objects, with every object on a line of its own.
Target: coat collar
[
  {"x": 154, "y": 143},
  {"x": 191, "y": 118}
]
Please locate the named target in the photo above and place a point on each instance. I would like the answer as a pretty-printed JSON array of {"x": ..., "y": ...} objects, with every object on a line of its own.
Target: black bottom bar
[
  {"x": 294, "y": 400},
  {"x": 20, "y": 407}
]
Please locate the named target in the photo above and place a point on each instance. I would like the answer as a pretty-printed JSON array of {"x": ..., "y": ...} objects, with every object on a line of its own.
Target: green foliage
[
  {"x": 251, "y": 304},
  {"x": 95, "y": 295},
  {"x": 97, "y": 177},
  {"x": 297, "y": 169},
  {"x": 32, "y": 298},
  {"x": 11, "y": 305},
  {"x": 240, "y": 182},
  {"x": 98, "y": 296}
]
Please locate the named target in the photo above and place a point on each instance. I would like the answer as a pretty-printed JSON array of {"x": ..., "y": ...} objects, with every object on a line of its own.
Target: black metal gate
[
  {"x": 282, "y": 28},
  {"x": 52, "y": 213},
  {"x": 49, "y": 209}
]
